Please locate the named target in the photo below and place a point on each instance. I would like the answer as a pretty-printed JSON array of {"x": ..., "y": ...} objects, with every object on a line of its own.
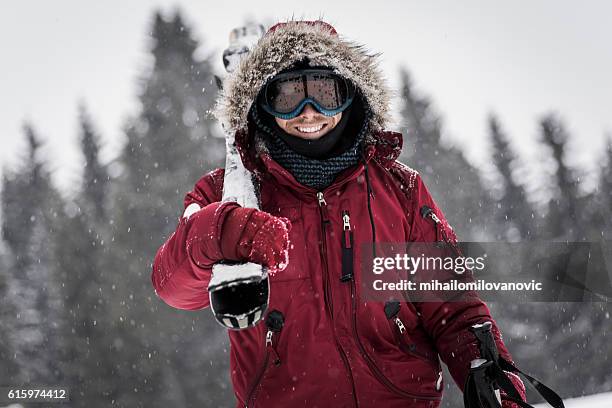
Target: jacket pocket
[
  {"x": 405, "y": 343},
  {"x": 402, "y": 337},
  {"x": 271, "y": 359}
]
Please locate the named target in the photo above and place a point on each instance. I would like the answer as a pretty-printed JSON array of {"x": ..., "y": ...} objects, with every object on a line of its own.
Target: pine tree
[
  {"x": 453, "y": 182},
  {"x": 95, "y": 176},
  {"x": 173, "y": 130},
  {"x": 30, "y": 205},
  {"x": 515, "y": 212},
  {"x": 570, "y": 336},
  {"x": 81, "y": 263},
  {"x": 602, "y": 225},
  {"x": 8, "y": 365},
  {"x": 564, "y": 213},
  {"x": 170, "y": 145}
]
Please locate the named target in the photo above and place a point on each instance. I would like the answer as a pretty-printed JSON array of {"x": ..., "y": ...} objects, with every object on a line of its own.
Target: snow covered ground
[{"x": 592, "y": 401}]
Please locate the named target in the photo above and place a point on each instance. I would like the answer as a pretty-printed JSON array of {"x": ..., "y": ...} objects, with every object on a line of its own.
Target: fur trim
[{"x": 290, "y": 43}]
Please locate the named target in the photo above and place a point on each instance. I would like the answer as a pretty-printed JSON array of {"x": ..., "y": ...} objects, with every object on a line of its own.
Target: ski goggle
[{"x": 287, "y": 94}]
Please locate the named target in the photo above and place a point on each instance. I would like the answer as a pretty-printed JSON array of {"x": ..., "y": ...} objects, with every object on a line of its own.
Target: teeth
[{"x": 310, "y": 129}]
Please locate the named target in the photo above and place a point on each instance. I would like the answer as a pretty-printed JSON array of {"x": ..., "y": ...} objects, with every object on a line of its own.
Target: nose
[{"x": 309, "y": 112}]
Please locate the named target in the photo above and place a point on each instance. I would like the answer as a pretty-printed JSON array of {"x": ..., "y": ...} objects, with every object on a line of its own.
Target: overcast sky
[{"x": 519, "y": 59}]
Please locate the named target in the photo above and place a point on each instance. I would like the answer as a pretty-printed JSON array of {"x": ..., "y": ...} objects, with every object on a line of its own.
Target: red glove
[
  {"x": 256, "y": 236},
  {"x": 227, "y": 231}
]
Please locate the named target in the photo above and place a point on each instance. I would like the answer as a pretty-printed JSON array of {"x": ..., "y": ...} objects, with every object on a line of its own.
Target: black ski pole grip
[
  {"x": 486, "y": 342},
  {"x": 489, "y": 352},
  {"x": 479, "y": 390},
  {"x": 496, "y": 372}
]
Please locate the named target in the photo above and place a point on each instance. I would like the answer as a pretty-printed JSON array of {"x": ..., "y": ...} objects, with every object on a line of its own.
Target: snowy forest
[{"x": 77, "y": 307}]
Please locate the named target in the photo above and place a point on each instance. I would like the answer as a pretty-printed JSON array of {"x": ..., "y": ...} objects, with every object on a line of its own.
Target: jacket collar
[{"x": 383, "y": 148}]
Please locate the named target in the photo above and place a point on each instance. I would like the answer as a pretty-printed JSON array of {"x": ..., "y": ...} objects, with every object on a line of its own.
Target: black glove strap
[
  {"x": 479, "y": 391},
  {"x": 547, "y": 393}
]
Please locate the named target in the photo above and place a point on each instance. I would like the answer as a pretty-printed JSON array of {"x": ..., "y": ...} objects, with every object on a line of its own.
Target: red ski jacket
[
  {"x": 333, "y": 348},
  {"x": 322, "y": 344}
]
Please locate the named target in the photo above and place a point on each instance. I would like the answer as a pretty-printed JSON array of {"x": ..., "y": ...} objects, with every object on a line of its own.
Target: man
[{"x": 308, "y": 109}]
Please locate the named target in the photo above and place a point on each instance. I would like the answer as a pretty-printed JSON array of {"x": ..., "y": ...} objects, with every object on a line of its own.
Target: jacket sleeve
[
  {"x": 447, "y": 323},
  {"x": 180, "y": 275}
]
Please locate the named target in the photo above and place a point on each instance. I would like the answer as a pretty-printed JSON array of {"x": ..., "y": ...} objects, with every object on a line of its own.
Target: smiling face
[{"x": 309, "y": 124}]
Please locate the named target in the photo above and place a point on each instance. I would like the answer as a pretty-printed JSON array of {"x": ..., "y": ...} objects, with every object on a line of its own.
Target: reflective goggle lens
[{"x": 285, "y": 93}]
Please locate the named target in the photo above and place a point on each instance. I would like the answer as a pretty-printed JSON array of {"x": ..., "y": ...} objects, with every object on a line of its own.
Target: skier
[{"x": 309, "y": 109}]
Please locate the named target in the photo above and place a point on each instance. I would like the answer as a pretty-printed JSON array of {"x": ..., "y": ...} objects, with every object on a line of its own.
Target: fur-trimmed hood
[{"x": 288, "y": 43}]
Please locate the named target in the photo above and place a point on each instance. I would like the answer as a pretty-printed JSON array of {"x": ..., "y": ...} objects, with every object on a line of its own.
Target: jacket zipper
[
  {"x": 347, "y": 248},
  {"x": 348, "y": 244},
  {"x": 392, "y": 309},
  {"x": 373, "y": 367},
  {"x": 348, "y": 239},
  {"x": 327, "y": 288},
  {"x": 274, "y": 323},
  {"x": 428, "y": 212}
]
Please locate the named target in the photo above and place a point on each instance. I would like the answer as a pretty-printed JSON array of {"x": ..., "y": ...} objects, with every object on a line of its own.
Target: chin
[{"x": 308, "y": 136}]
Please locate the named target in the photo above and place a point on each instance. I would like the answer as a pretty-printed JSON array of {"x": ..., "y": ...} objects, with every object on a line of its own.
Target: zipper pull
[
  {"x": 348, "y": 234},
  {"x": 321, "y": 199},
  {"x": 400, "y": 325},
  {"x": 435, "y": 217},
  {"x": 323, "y": 208},
  {"x": 269, "y": 335},
  {"x": 427, "y": 211},
  {"x": 392, "y": 309},
  {"x": 347, "y": 248},
  {"x": 274, "y": 322},
  {"x": 346, "y": 221},
  {"x": 270, "y": 346}
]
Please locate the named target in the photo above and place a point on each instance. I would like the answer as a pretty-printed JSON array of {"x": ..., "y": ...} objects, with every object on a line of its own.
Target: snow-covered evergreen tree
[
  {"x": 30, "y": 205},
  {"x": 95, "y": 181},
  {"x": 514, "y": 212},
  {"x": 602, "y": 225},
  {"x": 170, "y": 145},
  {"x": 8, "y": 365},
  {"x": 565, "y": 216},
  {"x": 81, "y": 266}
]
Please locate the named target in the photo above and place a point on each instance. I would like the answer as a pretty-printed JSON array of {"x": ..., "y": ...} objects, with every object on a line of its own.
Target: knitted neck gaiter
[{"x": 311, "y": 172}]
